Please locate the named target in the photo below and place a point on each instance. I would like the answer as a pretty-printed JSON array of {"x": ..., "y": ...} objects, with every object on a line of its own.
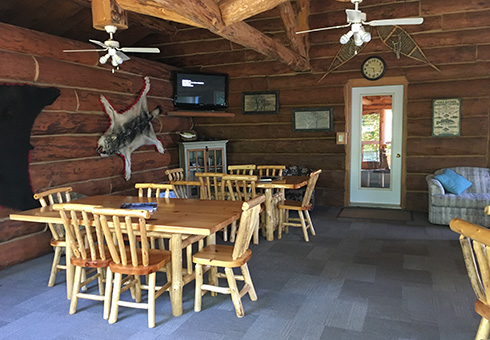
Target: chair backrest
[
  {"x": 177, "y": 174},
  {"x": 153, "y": 189},
  {"x": 248, "y": 221},
  {"x": 211, "y": 185},
  {"x": 245, "y": 169},
  {"x": 133, "y": 224},
  {"x": 85, "y": 238},
  {"x": 475, "y": 241},
  {"x": 239, "y": 187},
  {"x": 270, "y": 170},
  {"x": 310, "y": 187},
  {"x": 50, "y": 197}
]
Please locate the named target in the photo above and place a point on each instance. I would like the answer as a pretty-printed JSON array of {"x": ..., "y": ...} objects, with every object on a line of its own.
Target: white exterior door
[{"x": 376, "y": 146}]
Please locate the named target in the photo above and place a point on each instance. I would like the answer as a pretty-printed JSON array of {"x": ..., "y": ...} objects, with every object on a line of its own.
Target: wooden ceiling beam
[
  {"x": 238, "y": 10},
  {"x": 206, "y": 14},
  {"x": 108, "y": 12},
  {"x": 289, "y": 19}
]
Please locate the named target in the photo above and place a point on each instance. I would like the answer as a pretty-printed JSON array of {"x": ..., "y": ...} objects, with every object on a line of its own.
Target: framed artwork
[
  {"x": 446, "y": 117},
  {"x": 260, "y": 102},
  {"x": 313, "y": 119}
]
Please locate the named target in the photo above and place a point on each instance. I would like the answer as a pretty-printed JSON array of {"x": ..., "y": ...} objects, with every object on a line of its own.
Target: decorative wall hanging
[
  {"x": 19, "y": 107},
  {"x": 129, "y": 129},
  {"x": 260, "y": 102},
  {"x": 398, "y": 40},
  {"x": 446, "y": 117},
  {"x": 345, "y": 53},
  {"x": 313, "y": 119}
]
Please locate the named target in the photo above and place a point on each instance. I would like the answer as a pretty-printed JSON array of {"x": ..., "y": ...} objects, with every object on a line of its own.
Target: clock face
[{"x": 373, "y": 68}]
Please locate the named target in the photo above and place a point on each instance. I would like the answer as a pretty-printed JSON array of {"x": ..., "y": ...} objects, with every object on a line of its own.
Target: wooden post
[{"x": 108, "y": 12}]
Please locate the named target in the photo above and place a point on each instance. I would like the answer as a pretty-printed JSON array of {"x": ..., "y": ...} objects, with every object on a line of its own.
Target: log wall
[
  {"x": 454, "y": 37},
  {"x": 65, "y": 134}
]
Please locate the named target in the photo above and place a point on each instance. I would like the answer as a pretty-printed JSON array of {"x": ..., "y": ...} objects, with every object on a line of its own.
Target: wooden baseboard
[{"x": 27, "y": 248}]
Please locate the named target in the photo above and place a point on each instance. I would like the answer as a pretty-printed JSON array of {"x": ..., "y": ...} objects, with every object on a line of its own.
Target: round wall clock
[{"x": 373, "y": 68}]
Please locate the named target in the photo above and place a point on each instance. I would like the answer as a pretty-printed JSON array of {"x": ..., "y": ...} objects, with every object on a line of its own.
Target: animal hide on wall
[
  {"x": 129, "y": 129},
  {"x": 19, "y": 107}
]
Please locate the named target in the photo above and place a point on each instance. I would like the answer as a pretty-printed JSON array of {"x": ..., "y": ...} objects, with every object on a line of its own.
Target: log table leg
[
  {"x": 269, "y": 218},
  {"x": 177, "y": 281}
]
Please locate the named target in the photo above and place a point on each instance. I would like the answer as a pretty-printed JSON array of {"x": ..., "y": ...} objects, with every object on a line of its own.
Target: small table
[
  {"x": 174, "y": 216},
  {"x": 282, "y": 183}
]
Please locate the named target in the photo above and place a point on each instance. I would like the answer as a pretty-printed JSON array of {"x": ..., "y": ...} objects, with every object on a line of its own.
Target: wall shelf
[{"x": 200, "y": 114}]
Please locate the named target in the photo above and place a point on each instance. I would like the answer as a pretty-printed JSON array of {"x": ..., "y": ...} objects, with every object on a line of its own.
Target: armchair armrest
[{"x": 435, "y": 187}]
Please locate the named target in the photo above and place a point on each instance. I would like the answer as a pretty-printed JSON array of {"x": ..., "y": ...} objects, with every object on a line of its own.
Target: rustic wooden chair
[
  {"x": 229, "y": 257},
  {"x": 240, "y": 188},
  {"x": 211, "y": 185},
  {"x": 89, "y": 252},
  {"x": 58, "y": 242},
  {"x": 270, "y": 170},
  {"x": 301, "y": 207},
  {"x": 245, "y": 169},
  {"x": 131, "y": 260},
  {"x": 157, "y": 188},
  {"x": 475, "y": 243},
  {"x": 153, "y": 189},
  {"x": 177, "y": 174}
]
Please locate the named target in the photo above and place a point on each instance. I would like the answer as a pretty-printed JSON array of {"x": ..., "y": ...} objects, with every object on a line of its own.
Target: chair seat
[
  {"x": 220, "y": 255},
  {"x": 157, "y": 259},
  {"x": 97, "y": 263},
  {"x": 293, "y": 205},
  {"x": 58, "y": 243}
]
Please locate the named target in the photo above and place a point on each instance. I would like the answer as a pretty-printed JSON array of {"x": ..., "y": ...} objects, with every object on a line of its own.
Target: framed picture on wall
[
  {"x": 313, "y": 119},
  {"x": 266, "y": 102},
  {"x": 446, "y": 117}
]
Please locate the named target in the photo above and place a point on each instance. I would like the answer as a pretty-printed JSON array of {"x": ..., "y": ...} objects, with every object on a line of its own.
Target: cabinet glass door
[
  {"x": 215, "y": 160},
  {"x": 196, "y": 162}
]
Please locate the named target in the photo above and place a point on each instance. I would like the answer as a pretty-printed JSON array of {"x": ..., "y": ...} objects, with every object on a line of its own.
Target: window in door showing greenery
[{"x": 370, "y": 137}]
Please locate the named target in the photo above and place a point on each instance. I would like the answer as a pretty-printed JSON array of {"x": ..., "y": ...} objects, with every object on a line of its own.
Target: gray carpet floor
[{"x": 357, "y": 279}]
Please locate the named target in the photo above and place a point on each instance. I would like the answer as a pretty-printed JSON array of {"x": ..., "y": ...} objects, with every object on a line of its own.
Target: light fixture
[
  {"x": 104, "y": 58},
  {"x": 344, "y": 39}
]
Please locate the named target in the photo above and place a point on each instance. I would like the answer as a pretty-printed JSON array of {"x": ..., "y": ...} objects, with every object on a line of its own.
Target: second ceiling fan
[{"x": 356, "y": 19}]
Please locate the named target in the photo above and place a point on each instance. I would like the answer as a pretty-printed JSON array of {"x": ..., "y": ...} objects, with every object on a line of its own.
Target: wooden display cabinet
[{"x": 202, "y": 156}]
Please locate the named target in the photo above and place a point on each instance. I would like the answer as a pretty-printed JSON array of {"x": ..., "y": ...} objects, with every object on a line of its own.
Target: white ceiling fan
[
  {"x": 114, "y": 52},
  {"x": 356, "y": 18}
]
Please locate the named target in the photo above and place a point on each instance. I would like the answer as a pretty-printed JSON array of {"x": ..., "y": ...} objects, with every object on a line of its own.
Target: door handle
[{"x": 398, "y": 155}]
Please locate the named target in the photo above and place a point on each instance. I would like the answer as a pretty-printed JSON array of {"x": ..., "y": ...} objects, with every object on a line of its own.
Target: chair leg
[
  {"x": 54, "y": 266},
  {"x": 483, "y": 330},
  {"x": 151, "y": 299},
  {"x": 279, "y": 224},
  {"x": 108, "y": 292},
  {"x": 198, "y": 292},
  {"x": 303, "y": 225},
  {"x": 213, "y": 278},
  {"x": 115, "y": 298},
  {"x": 235, "y": 294},
  {"x": 233, "y": 230},
  {"x": 189, "y": 258},
  {"x": 308, "y": 218},
  {"x": 248, "y": 281},
  {"x": 100, "y": 278},
  {"x": 76, "y": 289}
]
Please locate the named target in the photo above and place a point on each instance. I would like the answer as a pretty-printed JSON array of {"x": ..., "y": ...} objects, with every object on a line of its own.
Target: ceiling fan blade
[
  {"x": 392, "y": 22},
  {"x": 140, "y": 49},
  {"x": 101, "y": 44},
  {"x": 94, "y": 49},
  {"x": 122, "y": 56},
  {"x": 323, "y": 28}
]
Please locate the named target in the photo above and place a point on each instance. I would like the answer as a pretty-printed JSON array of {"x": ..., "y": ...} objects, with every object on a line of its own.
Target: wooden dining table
[
  {"x": 178, "y": 218},
  {"x": 282, "y": 183}
]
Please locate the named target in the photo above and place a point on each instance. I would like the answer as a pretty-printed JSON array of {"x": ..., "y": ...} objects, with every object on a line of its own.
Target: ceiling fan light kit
[
  {"x": 356, "y": 19},
  {"x": 113, "y": 49}
]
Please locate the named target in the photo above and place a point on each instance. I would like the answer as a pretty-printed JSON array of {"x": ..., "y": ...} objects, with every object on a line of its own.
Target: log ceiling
[{"x": 224, "y": 18}]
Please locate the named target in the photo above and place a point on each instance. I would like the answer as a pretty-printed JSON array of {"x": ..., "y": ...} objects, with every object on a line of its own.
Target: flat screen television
[{"x": 200, "y": 91}]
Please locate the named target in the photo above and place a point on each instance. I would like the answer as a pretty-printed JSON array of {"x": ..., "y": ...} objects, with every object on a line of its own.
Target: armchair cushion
[{"x": 452, "y": 182}]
